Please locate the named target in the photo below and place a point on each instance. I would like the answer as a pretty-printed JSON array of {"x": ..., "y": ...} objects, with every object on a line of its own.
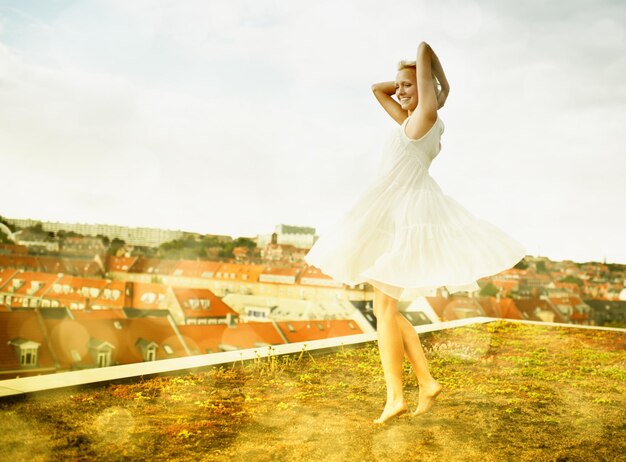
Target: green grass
[{"x": 511, "y": 392}]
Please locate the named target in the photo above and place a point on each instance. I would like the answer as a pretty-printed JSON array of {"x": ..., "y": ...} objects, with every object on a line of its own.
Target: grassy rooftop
[{"x": 512, "y": 391}]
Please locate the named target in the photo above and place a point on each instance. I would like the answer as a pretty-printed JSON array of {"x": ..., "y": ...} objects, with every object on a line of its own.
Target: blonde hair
[{"x": 406, "y": 64}]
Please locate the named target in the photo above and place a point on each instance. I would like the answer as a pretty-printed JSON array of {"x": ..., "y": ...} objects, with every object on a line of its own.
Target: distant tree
[
  {"x": 521, "y": 264},
  {"x": 244, "y": 242},
  {"x": 64, "y": 233},
  {"x": 541, "y": 267},
  {"x": 572, "y": 279},
  {"x": 37, "y": 227},
  {"x": 105, "y": 239},
  {"x": 226, "y": 252},
  {"x": 227, "y": 249},
  {"x": 210, "y": 241},
  {"x": 115, "y": 245},
  {"x": 613, "y": 267},
  {"x": 141, "y": 251},
  {"x": 4, "y": 238},
  {"x": 511, "y": 295},
  {"x": 188, "y": 248},
  {"x": 6, "y": 223},
  {"x": 489, "y": 290}
]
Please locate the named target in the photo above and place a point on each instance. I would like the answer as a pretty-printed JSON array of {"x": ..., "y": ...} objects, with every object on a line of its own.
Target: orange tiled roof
[
  {"x": 77, "y": 282},
  {"x": 315, "y": 330},
  {"x": 239, "y": 272},
  {"x": 28, "y": 287},
  {"x": 504, "y": 308},
  {"x": 113, "y": 295},
  {"x": 313, "y": 272},
  {"x": 14, "y": 248},
  {"x": 528, "y": 306},
  {"x": 217, "y": 308},
  {"x": 74, "y": 289},
  {"x": 560, "y": 300},
  {"x": 67, "y": 335},
  {"x": 25, "y": 325},
  {"x": 5, "y": 275},
  {"x": 120, "y": 264},
  {"x": 147, "y": 295},
  {"x": 83, "y": 266},
  {"x": 571, "y": 286},
  {"x": 505, "y": 284},
  {"x": 288, "y": 271},
  {"x": 196, "y": 268},
  {"x": 52, "y": 264},
  {"x": 512, "y": 273},
  {"x": 19, "y": 261},
  {"x": 154, "y": 266},
  {"x": 200, "y": 339}
]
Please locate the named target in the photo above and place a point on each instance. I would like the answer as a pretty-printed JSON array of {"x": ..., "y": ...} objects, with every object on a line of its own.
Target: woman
[{"x": 406, "y": 237}]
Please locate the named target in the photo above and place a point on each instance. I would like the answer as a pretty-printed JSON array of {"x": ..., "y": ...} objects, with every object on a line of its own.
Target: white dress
[{"x": 406, "y": 237}]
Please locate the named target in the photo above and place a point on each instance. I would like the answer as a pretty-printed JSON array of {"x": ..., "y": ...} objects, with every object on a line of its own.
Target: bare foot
[
  {"x": 427, "y": 396},
  {"x": 392, "y": 410}
]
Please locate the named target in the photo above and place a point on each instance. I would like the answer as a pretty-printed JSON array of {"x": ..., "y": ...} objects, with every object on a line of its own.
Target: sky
[{"x": 231, "y": 117}]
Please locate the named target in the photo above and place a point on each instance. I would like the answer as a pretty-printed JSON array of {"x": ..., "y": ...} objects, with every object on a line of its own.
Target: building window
[
  {"x": 104, "y": 358},
  {"x": 28, "y": 357},
  {"x": 26, "y": 351}
]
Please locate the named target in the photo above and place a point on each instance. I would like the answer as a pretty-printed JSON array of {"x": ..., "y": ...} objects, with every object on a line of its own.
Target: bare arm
[
  {"x": 428, "y": 104},
  {"x": 437, "y": 71},
  {"x": 428, "y": 72},
  {"x": 382, "y": 92}
]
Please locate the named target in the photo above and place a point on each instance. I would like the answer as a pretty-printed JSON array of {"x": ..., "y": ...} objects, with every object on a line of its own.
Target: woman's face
[{"x": 406, "y": 89}]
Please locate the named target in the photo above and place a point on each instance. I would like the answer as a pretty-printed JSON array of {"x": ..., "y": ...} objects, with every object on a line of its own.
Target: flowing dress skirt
[{"x": 406, "y": 237}]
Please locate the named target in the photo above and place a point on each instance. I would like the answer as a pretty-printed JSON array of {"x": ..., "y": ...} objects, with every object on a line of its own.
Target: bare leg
[
  {"x": 428, "y": 386},
  {"x": 391, "y": 353}
]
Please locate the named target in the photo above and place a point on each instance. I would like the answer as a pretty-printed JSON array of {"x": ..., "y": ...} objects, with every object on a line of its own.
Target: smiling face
[{"x": 406, "y": 88}]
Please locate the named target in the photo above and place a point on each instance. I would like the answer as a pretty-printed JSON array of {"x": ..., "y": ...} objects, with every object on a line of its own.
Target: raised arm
[
  {"x": 382, "y": 92},
  {"x": 440, "y": 76},
  {"x": 428, "y": 72}
]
